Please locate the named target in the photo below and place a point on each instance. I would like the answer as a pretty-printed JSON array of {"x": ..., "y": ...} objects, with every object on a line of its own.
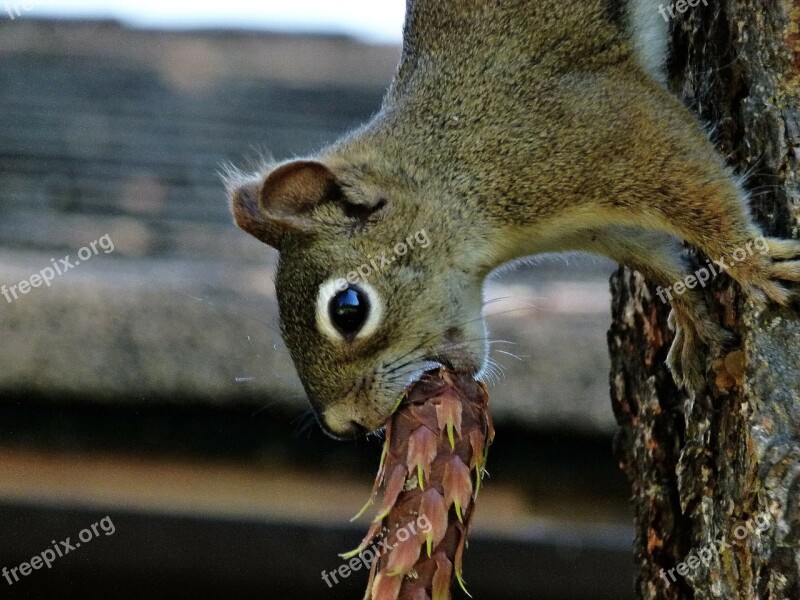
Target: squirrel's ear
[{"x": 272, "y": 208}]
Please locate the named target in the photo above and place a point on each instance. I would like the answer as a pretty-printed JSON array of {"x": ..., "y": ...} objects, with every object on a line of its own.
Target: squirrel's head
[{"x": 373, "y": 286}]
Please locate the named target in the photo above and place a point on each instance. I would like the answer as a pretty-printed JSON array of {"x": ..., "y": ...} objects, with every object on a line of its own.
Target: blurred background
[{"x": 148, "y": 383}]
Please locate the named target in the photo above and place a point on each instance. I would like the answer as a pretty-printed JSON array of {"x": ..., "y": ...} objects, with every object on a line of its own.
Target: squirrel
[{"x": 511, "y": 128}]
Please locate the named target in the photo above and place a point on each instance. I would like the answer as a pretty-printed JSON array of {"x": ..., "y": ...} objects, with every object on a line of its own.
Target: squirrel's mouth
[
  {"x": 351, "y": 419},
  {"x": 458, "y": 360},
  {"x": 461, "y": 362}
]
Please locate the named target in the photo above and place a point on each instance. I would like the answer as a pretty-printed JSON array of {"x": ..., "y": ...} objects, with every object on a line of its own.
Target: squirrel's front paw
[{"x": 768, "y": 278}]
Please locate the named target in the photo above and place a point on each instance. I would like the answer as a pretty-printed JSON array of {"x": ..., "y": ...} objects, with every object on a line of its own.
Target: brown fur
[{"x": 512, "y": 128}]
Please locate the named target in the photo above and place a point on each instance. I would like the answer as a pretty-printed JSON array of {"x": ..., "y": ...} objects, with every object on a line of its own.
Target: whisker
[
  {"x": 511, "y": 354},
  {"x": 269, "y": 405},
  {"x": 430, "y": 337},
  {"x": 253, "y": 347},
  {"x": 217, "y": 308},
  {"x": 305, "y": 422},
  {"x": 527, "y": 301},
  {"x": 495, "y": 370},
  {"x": 510, "y": 311}
]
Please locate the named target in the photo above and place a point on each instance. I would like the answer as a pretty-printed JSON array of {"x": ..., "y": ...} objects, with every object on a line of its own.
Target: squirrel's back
[{"x": 557, "y": 34}]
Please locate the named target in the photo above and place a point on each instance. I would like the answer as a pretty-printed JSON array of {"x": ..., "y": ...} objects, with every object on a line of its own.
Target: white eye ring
[{"x": 328, "y": 290}]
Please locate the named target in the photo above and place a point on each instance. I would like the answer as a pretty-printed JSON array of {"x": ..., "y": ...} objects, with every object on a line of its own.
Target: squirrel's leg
[
  {"x": 735, "y": 245},
  {"x": 661, "y": 259}
]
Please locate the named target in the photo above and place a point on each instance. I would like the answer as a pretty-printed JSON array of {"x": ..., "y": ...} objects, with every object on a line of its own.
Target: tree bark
[{"x": 715, "y": 473}]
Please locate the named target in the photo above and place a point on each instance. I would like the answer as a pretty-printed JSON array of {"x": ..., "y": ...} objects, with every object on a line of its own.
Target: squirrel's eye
[
  {"x": 346, "y": 312},
  {"x": 349, "y": 311}
]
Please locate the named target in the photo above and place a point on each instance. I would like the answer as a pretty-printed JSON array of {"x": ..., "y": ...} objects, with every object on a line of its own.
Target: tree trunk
[{"x": 715, "y": 474}]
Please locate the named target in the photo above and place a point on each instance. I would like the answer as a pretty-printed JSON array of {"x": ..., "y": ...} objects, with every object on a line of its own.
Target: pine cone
[{"x": 437, "y": 438}]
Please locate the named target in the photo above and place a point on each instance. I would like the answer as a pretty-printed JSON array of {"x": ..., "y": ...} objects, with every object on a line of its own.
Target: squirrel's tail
[{"x": 650, "y": 32}]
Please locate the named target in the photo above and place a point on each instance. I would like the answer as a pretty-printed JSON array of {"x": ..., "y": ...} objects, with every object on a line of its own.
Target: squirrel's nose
[
  {"x": 352, "y": 430},
  {"x": 341, "y": 429}
]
